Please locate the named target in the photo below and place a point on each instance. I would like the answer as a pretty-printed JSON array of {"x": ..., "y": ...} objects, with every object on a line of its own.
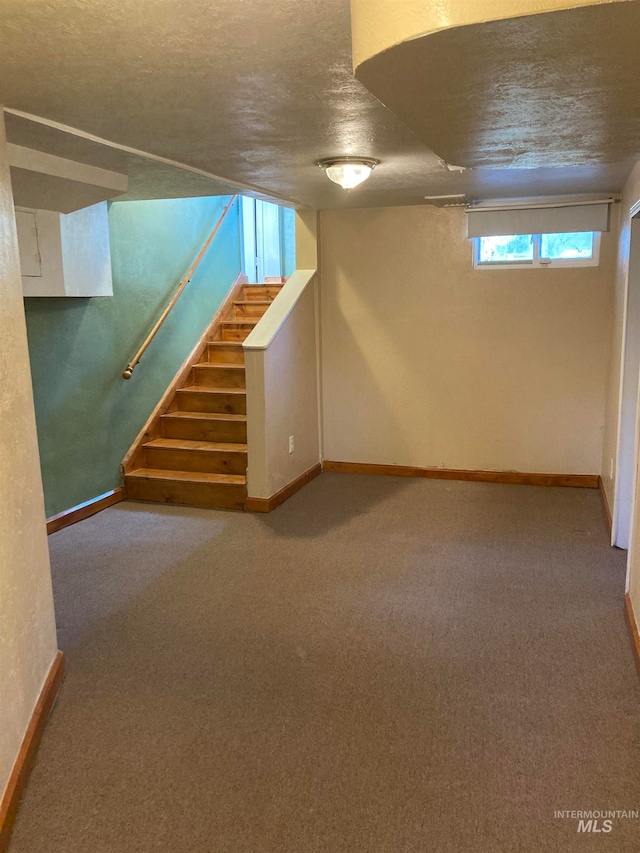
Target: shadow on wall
[{"x": 87, "y": 415}]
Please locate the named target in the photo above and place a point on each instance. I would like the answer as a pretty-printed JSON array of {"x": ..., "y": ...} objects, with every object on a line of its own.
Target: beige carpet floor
[{"x": 380, "y": 666}]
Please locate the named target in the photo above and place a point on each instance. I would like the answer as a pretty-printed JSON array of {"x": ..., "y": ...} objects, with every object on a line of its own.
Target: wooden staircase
[{"x": 193, "y": 450}]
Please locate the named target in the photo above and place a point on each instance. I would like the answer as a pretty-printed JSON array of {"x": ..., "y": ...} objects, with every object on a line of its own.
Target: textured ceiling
[
  {"x": 377, "y": 25},
  {"x": 553, "y": 89},
  {"x": 148, "y": 178},
  {"x": 242, "y": 91}
]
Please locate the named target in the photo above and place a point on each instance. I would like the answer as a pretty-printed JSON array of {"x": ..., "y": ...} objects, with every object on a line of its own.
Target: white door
[
  {"x": 626, "y": 459},
  {"x": 262, "y": 239}
]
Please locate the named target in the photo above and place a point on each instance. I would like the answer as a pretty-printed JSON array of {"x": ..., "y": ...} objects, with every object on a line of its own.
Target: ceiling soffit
[
  {"x": 555, "y": 89},
  {"x": 377, "y": 25}
]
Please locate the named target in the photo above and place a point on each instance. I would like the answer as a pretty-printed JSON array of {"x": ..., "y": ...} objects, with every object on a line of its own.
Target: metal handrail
[{"x": 185, "y": 281}]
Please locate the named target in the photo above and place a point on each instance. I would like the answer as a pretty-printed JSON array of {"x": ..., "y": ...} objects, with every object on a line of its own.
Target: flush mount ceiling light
[{"x": 348, "y": 171}]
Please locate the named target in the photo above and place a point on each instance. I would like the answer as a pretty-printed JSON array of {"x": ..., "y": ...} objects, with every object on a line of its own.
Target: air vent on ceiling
[{"x": 447, "y": 200}]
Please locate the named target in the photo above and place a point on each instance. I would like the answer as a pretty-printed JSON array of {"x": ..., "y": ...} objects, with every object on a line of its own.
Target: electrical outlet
[{"x": 291, "y": 444}]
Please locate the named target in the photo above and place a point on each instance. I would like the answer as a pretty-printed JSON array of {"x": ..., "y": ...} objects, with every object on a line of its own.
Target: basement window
[{"x": 526, "y": 251}]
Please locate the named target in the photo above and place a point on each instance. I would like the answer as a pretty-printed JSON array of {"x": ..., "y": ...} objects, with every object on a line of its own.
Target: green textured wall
[{"x": 87, "y": 415}]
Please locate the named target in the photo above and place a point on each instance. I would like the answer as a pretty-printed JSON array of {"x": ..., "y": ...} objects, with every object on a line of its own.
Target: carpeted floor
[{"x": 380, "y": 666}]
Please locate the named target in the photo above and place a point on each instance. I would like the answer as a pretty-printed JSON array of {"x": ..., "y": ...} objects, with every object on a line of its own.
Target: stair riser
[
  {"x": 218, "y": 377},
  {"x": 261, "y": 292},
  {"x": 225, "y": 355},
  {"x": 192, "y": 494},
  {"x": 192, "y": 401},
  {"x": 233, "y": 333},
  {"x": 203, "y": 430},
  {"x": 251, "y": 311},
  {"x": 203, "y": 461}
]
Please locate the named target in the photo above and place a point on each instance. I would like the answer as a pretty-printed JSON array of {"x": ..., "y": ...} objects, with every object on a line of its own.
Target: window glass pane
[
  {"x": 558, "y": 246},
  {"x": 513, "y": 249}
]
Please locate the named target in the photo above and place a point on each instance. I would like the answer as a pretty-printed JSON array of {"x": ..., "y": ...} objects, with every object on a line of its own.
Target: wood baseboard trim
[
  {"x": 269, "y": 504},
  {"x": 607, "y": 508},
  {"x": 581, "y": 481},
  {"x": 633, "y": 628},
  {"x": 28, "y": 749},
  {"x": 85, "y": 510}
]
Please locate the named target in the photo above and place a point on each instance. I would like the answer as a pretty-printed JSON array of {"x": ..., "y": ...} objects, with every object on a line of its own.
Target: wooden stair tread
[
  {"x": 206, "y": 416},
  {"x": 192, "y": 444},
  {"x": 188, "y": 476},
  {"x": 205, "y": 389},
  {"x": 270, "y": 291},
  {"x": 252, "y": 302},
  {"x": 270, "y": 285},
  {"x": 195, "y": 451},
  {"x": 219, "y": 364}
]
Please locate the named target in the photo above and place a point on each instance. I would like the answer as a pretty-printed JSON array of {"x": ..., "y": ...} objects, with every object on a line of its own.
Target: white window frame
[{"x": 538, "y": 262}]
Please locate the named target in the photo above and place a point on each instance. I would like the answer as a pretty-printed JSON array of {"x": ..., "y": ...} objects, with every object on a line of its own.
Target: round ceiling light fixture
[{"x": 348, "y": 171}]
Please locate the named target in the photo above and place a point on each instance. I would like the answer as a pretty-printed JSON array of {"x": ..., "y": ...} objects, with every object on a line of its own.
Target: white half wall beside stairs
[{"x": 282, "y": 369}]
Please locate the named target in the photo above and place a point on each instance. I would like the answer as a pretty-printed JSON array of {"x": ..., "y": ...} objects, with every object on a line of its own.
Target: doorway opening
[{"x": 268, "y": 243}]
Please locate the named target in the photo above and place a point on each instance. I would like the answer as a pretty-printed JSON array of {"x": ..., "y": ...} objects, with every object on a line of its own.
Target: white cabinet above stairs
[{"x": 65, "y": 254}]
